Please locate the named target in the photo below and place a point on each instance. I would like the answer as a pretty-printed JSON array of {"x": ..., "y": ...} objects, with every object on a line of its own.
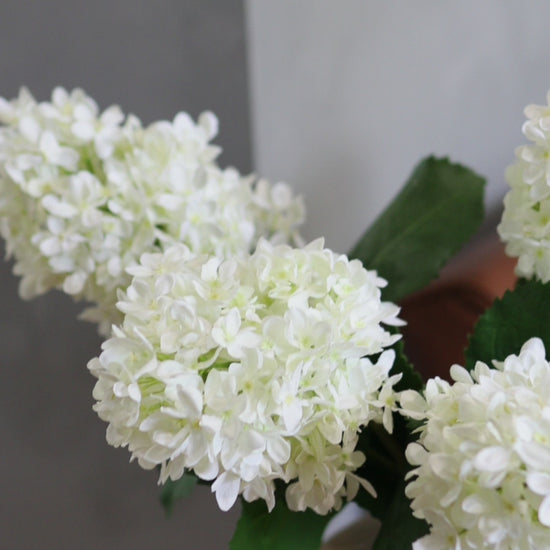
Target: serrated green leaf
[
  {"x": 399, "y": 527},
  {"x": 172, "y": 491},
  {"x": 281, "y": 529},
  {"x": 433, "y": 216},
  {"x": 521, "y": 314}
]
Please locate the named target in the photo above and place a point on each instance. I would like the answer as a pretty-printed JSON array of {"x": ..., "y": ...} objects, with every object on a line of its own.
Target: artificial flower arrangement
[{"x": 273, "y": 370}]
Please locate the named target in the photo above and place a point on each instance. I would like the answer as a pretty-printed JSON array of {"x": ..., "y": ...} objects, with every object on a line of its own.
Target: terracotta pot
[{"x": 441, "y": 317}]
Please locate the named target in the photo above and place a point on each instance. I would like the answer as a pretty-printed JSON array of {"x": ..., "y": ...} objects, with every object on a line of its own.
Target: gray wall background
[
  {"x": 347, "y": 96},
  {"x": 61, "y": 485}
]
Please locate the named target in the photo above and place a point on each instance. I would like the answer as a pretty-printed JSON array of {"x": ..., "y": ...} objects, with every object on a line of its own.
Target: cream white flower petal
[
  {"x": 481, "y": 474},
  {"x": 75, "y": 282},
  {"x": 191, "y": 400},
  {"x": 292, "y": 414},
  {"x": 493, "y": 459},
  {"x": 205, "y": 469},
  {"x": 30, "y": 129},
  {"x": 534, "y": 454},
  {"x": 219, "y": 359},
  {"x": 126, "y": 189},
  {"x": 413, "y": 404},
  {"x": 539, "y": 483},
  {"x": 474, "y": 505},
  {"x": 278, "y": 448},
  {"x": 58, "y": 208},
  {"x": 209, "y": 123},
  {"x": 226, "y": 487},
  {"x": 57, "y": 155},
  {"x": 524, "y": 226},
  {"x": 544, "y": 511}
]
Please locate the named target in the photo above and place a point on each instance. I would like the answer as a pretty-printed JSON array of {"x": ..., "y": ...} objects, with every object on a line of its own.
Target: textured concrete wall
[{"x": 61, "y": 486}]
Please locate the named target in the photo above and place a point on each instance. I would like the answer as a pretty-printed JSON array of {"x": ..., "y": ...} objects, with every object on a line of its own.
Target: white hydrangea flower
[
  {"x": 482, "y": 462},
  {"x": 83, "y": 194},
  {"x": 525, "y": 224},
  {"x": 250, "y": 370}
]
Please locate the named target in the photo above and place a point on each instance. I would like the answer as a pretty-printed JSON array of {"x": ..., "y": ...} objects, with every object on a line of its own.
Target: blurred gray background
[
  {"x": 347, "y": 96},
  {"x": 61, "y": 485}
]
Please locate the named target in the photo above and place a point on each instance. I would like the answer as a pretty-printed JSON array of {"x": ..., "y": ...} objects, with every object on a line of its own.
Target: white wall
[{"x": 347, "y": 95}]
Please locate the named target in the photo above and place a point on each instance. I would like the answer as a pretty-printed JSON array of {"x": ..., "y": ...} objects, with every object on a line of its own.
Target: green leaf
[
  {"x": 385, "y": 465},
  {"x": 385, "y": 460},
  {"x": 281, "y": 529},
  {"x": 173, "y": 491},
  {"x": 521, "y": 314},
  {"x": 433, "y": 216},
  {"x": 411, "y": 378},
  {"x": 399, "y": 527}
]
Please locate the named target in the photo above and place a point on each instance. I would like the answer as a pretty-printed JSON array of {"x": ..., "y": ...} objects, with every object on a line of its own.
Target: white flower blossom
[
  {"x": 481, "y": 475},
  {"x": 250, "y": 370},
  {"x": 525, "y": 224},
  {"x": 83, "y": 194}
]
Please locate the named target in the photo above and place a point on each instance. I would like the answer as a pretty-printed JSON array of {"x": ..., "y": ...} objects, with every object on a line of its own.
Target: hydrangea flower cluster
[
  {"x": 250, "y": 370},
  {"x": 525, "y": 225},
  {"x": 84, "y": 193},
  {"x": 482, "y": 463}
]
